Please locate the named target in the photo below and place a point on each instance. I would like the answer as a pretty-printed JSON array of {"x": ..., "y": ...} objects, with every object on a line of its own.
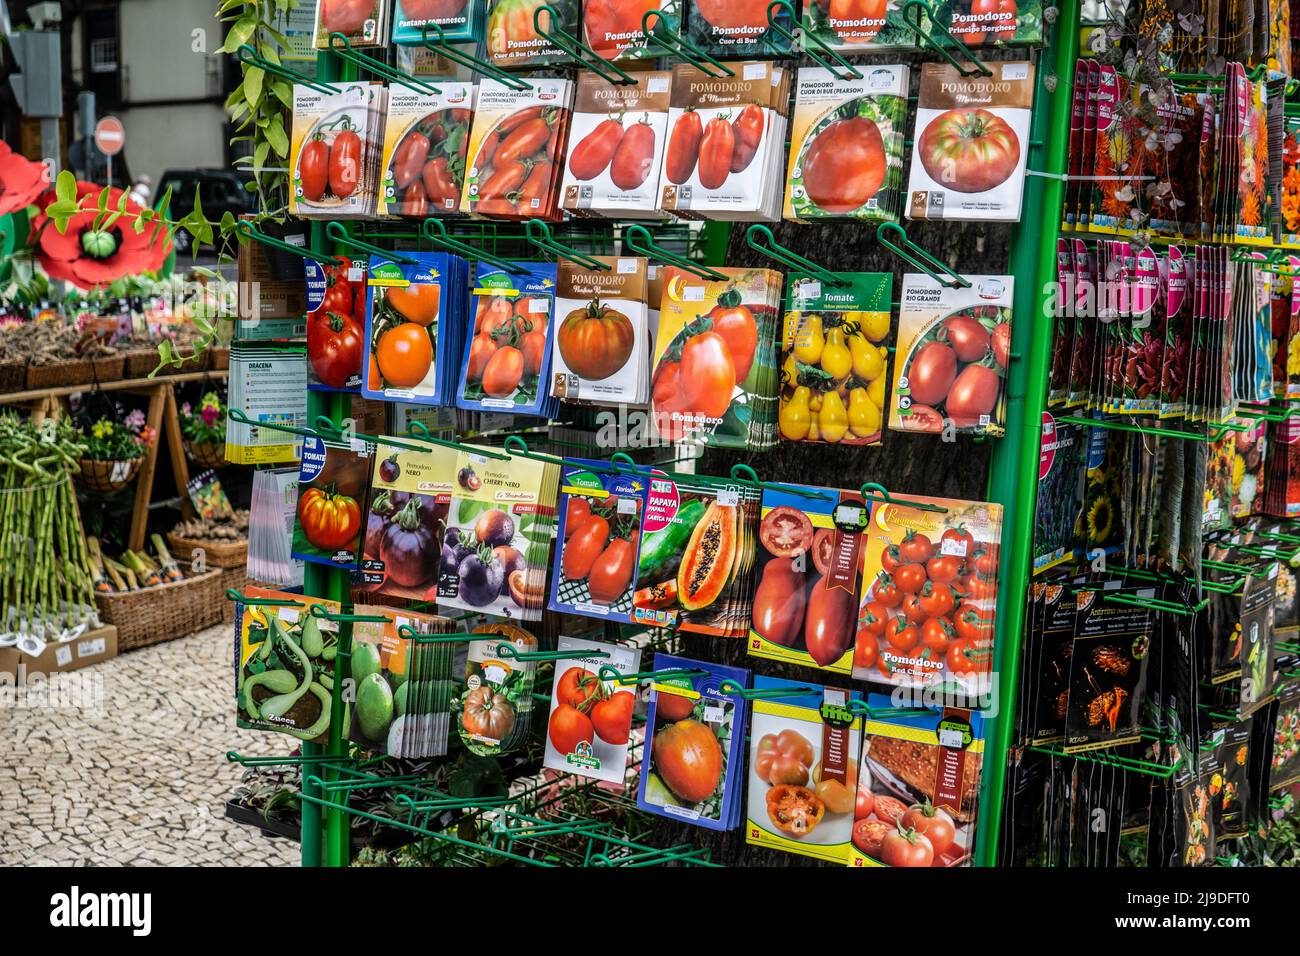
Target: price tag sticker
[
  {"x": 951, "y": 739},
  {"x": 693, "y": 293},
  {"x": 627, "y": 267},
  {"x": 729, "y": 497},
  {"x": 714, "y": 713},
  {"x": 953, "y": 547}
]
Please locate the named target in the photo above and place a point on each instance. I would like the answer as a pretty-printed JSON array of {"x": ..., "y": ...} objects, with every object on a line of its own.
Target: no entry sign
[{"x": 110, "y": 135}]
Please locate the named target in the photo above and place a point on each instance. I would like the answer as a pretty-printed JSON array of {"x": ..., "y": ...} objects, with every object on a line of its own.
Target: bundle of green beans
[{"x": 47, "y": 584}]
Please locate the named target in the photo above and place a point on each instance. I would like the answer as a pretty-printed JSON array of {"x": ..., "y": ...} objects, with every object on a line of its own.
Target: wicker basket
[
  {"x": 109, "y": 369},
  {"x": 206, "y": 454},
  {"x": 220, "y": 359},
  {"x": 217, "y": 554},
  {"x": 164, "y": 613},
  {"x": 79, "y": 372},
  {"x": 108, "y": 475},
  {"x": 140, "y": 362},
  {"x": 13, "y": 375},
  {"x": 238, "y": 579}
]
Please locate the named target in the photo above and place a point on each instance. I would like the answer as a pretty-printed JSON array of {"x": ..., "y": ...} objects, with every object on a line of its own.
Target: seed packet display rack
[{"x": 526, "y": 828}]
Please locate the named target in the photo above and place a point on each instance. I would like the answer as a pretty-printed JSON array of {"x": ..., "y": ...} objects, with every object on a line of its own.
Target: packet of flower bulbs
[{"x": 594, "y": 572}]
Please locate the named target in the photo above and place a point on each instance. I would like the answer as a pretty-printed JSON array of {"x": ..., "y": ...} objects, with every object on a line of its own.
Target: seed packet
[
  {"x": 602, "y": 340},
  {"x": 1285, "y": 768},
  {"x": 953, "y": 350},
  {"x": 591, "y": 718},
  {"x": 612, "y": 28},
  {"x": 336, "y": 316},
  {"x": 460, "y": 20},
  {"x": 426, "y": 136},
  {"x": 506, "y": 362},
  {"x": 415, "y": 321},
  {"x": 1063, "y": 340},
  {"x": 499, "y": 526},
  {"x": 928, "y": 605},
  {"x": 695, "y": 569},
  {"x": 846, "y": 145},
  {"x": 363, "y": 22},
  {"x": 1177, "y": 351},
  {"x": 617, "y": 145},
  {"x": 715, "y": 377},
  {"x": 803, "y": 770},
  {"x": 834, "y": 359},
  {"x": 1174, "y": 197},
  {"x": 401, "y": 688},
  {"x": 1291, "y": 182},
  {"x": 1229, "y": 780},
  {"x": 334, "y": 150},
  {"x": 810, "y": 574},
  {"x": 689, "y": 716},
  {"x": 970, "y": 143},
  {"x": 407, "y": 520},
  {"x": 516, "y": 136},
  {"x": 494, "y": 712},
  {"x": 594, "y": 573},
  {"x": 1060, "y": 493},
  {"x": 281, "y": 656},
  {"x": 1074, "y": 162},
  {"x": 1108, "y": 665},
  {"x": 511, "y": 36},
  {"x": 332, "y": 486},
  {"x": 917, "y": 788},
  {"x": 725, "y": 147},
  {"x": 736, "y": 29}
]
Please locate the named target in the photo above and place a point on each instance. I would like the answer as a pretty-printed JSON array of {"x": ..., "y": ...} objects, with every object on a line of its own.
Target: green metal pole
[{"x": 1013, "y": 478}]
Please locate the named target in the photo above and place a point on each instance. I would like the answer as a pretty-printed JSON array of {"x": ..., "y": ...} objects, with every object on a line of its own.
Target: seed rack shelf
[{"x": 529, "y": 827}]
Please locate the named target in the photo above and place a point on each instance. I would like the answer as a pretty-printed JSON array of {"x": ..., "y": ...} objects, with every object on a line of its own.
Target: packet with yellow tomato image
[{"x": 834, "y": 358}]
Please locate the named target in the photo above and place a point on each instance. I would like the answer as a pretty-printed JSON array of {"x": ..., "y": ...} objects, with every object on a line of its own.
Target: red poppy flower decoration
[
  {"x": 88, "y": 256},
  {"x": 21, "y": 180}
]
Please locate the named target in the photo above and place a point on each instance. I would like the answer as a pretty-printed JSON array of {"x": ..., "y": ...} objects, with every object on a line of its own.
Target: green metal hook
[
  {"x": 1120, "y": 426},
  {"x": 813, "y": 45},
  {"x": 860, "y": 708},
  {"x": 510, "y": 653},
  {"x": 239, "y": 597},
  {"x": 436, "y": 232},
  {"x": 577, "y": 51},
  {"x": 610, "y": 674},
  {"x": 788, "y": 258},
  {"x": 637, "y": 238},
  {"x": 674, "y": 44},
  {"x": 337, "y": 232},
  {"x": 419, "y": 432},
  {"x": 246, "y": 54},
  {"x": 444, "y": 47},
  {"x": 539, "y": 234},
  {"x": 237, "y": 414},
  {"x": 245, "y": 229},
  {"x": 411, "y": 634},
  {"x": 874, "y": 491},
  {"x": 517, "y": 446},
  {"x": 747, "y": 475},
  {"x": 319, "y": 612},
  {"x": 905, "y": 253},
  {"x": 926, "y": 37},
  {"x": 378, "y": 66},
  {"x": 763, "y": 693}
]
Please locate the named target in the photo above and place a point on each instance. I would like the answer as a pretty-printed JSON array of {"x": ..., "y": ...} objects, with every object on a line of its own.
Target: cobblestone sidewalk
[{"x": 142, "y": 778}]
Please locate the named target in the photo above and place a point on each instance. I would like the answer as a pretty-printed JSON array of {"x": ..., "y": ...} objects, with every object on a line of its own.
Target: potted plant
[
  {"x": 203, "y": 430},
  {"x": 114, "y": 451}
]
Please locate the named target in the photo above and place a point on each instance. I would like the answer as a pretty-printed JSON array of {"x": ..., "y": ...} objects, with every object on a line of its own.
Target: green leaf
[
  {"x": 260, "y": 152},
  {"x": 253, "y": 77},
  {"x": 241, "y": 31},
  {"x": 65, "y": 187},
  {"x": 283, "y": 91},
  {"x": 276, "y": 137}
]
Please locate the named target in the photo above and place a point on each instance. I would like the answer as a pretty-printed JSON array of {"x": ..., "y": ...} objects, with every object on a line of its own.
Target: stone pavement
[{"x": 142, "y": 778}]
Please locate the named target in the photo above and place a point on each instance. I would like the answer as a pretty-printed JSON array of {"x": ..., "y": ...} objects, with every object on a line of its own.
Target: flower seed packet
[
  {"x": 333, "y": 482},
  {"x": 693, "y": 762},
  {"x": 590, "y": 722}
]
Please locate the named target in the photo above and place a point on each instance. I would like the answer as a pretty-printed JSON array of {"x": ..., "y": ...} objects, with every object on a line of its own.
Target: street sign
[{"x": 110, "y": 135}]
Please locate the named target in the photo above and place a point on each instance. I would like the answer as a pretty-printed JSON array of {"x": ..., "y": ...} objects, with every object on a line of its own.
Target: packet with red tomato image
[
  {"x": 426, "y": 137},
  {"x": 511, "y": 36},
  {"x": 929, "y": 595},
  {"x": 506, "y": 361},
  {"x": 810, "y": 574},
  {"x": 917, "y": 787},
  {"x": 735, "y": 28},
  {"x": 332, "y": 485},
  {"x": 867, "y": 25},
  {"x": 594, "y": 572},
  {"x": 616, "y": 146},
  {"x": 613, "y": 28},
  {"x": 493, "y": 714},
  {"x": 497, "y": 544},
  {"x": 415, "y": 322},
  {"x": 590, "y": 724},
  {"x": 333, "y": 160},
  {"x": 363, "y": 22},
  {"x": 693, "y": 761},
  {"x": 725, "y": 154},
  {"x": 460, "y": 20},
  {"x": 336, "y": 316},
  {"x": 715, "y": 377},
  {"x": 516, "y": 149},
  {"x": 953, "y": 350},
  {"x": 846, "y": 145},
  {"x": 804, "y": 741},
  {"x": 970, "y": 142},
  {"x": 601, "y": 353}
]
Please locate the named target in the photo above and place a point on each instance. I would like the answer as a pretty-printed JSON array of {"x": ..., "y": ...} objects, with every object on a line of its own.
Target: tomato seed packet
[
  {"x": 803, "y": 770},
  {"x": 590, "y": 722},
  {"x": 953, "y": 350},
  {"x": 810, "y": 573},
  {"x": 336, "y": 316},
  {"x": 363, "y": 22},
  {"x": 690, "y": 717},
  {"x": 426, "y": 137},
  {"x": 870, "y": 25},
  {"x": 284, "y": 658},
  {"x": 334, "y": 149},
  {"x": 460, "y": 20},
  {"x": 494, "y": 712},
  {"x": 594, "y": 573},
  {"x": 332, "y": 485},
  {"x": 726, "y": 28},
  {"x": 511, "y": 36},
  {"x": 602, "y": 338},
  {"x": 970, "y": 143},
  {"x": 918, "y": 788},
  {"x": 612, "y": 28}
]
